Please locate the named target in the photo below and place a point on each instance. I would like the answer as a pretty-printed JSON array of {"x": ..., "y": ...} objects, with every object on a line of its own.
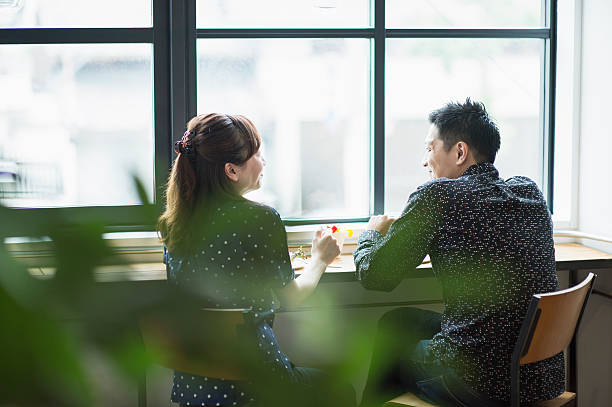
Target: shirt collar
[{"x": 481, "y": 168}]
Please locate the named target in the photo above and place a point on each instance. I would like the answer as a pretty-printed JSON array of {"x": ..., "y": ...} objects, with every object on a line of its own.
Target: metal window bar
[{"x": 76, "y": 35}]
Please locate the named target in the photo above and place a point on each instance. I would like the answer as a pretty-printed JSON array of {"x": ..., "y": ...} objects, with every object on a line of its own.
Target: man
[{"x": 491, "y": 247}]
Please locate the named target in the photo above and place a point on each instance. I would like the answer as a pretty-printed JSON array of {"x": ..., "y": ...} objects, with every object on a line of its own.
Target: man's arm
[{"x": 382, "y": 260}]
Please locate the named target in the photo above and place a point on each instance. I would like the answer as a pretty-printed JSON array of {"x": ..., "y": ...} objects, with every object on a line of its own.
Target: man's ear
[
  {"x": 232, "y": 171},
  {"x": 462, "y": 151}
]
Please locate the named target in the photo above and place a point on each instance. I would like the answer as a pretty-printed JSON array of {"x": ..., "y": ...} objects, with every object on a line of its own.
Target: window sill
[{"x": 145, "y": 247}]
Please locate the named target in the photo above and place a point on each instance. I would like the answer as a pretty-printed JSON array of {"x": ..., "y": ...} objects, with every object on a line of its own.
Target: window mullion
[
  {"x": 75, "y": 35},
  {"x": 468, "y": 33},
  {"x": 192, "y": 60},
  {"x": 550, "y": 86},
  {"x": 378, "y": 178},
  {"x": 161, "y": 94},
  {"x": 181, "y": 65},
  {"x": 285, "y": 33}
]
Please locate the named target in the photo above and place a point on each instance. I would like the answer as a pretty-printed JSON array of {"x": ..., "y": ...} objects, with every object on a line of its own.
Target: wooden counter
[{"x": 569, "y": 256}]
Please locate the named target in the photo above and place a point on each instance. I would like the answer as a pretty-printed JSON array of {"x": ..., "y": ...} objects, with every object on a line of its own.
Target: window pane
[
  {"x": 283, "y": 13},
  {"x": 310, "y": 101},
  {"x": 425, "y": 74},
  {"x": 463, "y": 13},
  {"x": 75, "y": 13},
  {"x": 76, "y": 123}
]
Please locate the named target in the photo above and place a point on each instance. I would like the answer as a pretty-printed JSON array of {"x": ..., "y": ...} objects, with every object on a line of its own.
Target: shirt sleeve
[
  {"x": 272, "y": 256},
  {"x": 383, "y": 261}
]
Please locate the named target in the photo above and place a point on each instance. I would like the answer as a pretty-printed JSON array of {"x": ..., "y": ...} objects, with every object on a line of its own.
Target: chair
[
  {"x": 203, "y": 342},
  {"x": 548, "y": 328}
]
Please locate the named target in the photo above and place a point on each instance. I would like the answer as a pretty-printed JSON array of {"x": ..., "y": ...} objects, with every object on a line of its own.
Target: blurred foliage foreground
[{"x": 48, "y": 323}]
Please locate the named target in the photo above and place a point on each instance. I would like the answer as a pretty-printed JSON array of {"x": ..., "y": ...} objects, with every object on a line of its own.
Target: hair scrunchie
[{"x": 185, "y": 145}]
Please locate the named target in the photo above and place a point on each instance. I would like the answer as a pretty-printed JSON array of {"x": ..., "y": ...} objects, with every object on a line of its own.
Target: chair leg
[
  {"x": 142, "y": 390},
  {"x": 572, "y": 356}
]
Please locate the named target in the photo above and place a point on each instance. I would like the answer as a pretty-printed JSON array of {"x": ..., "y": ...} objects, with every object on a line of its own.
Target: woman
[{"x": 233, "y": 251}]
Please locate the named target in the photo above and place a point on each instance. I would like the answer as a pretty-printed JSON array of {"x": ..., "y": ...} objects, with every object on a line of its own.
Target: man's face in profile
[{"x": 438, "y": 162}]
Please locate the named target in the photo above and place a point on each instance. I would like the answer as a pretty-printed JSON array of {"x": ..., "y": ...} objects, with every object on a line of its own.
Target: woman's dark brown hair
[{"x": 198, "y": 173}]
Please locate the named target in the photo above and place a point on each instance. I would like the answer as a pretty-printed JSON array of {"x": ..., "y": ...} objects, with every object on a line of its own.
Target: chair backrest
[
  {"x": 204, "y": 342},
  {"x": 548, "y": 328},
  {"x": 555, "y": 318}
]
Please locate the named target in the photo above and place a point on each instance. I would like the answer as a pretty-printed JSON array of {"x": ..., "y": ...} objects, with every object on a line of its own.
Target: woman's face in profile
[{"x": 251, "y": 173}]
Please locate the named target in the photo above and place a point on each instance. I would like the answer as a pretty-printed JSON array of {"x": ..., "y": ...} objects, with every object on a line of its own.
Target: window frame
[
  {"x": 22, "y": 221},
  {"x": 174, "y": 34}
]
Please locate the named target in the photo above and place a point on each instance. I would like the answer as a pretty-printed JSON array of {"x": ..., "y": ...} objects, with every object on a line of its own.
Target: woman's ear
[{"x": 232, "y": 171}]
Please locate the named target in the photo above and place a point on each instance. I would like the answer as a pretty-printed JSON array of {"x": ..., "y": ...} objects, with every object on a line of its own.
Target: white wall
[
  {"x": 595, "y": 196},
  {"x": 595, "y": 182}
]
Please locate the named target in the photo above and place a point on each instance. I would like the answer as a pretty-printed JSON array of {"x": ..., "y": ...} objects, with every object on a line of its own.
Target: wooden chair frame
[
  {"x": 173, "y": 347},
  {"x": 523, "y": 353},
  {"x": 213, "y": 352}
]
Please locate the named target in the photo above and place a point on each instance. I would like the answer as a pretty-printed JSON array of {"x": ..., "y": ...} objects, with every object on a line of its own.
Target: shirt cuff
[{"x": 369, "y": 236}]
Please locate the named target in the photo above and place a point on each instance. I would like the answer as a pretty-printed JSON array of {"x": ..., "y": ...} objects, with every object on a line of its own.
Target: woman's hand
[
  {"x": 324, "y": 250},
  {"x": 324, "y": 247}
]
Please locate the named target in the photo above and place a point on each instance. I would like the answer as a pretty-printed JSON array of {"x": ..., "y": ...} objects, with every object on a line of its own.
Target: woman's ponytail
[{"x": 198, "y": 176}]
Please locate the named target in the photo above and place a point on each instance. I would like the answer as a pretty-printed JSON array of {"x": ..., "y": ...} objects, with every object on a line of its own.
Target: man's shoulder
[
  {"x": 439, "y": 188},
  {"x": 524, "y": 187},
  {"x": 520, "y": 180},
  {"x": 437, "y": 185},
  {"x": 432, "y": 194}
]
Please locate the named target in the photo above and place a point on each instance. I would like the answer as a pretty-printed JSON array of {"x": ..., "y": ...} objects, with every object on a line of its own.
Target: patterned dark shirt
[
  {"x": 241, "y": 256},
  {"x": 491, "y": 248}
]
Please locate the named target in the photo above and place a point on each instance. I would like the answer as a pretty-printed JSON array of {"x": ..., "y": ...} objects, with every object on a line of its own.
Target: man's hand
[{"x": 380, "y": 223}]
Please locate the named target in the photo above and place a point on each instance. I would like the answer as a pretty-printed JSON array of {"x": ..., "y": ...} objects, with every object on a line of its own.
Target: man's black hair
[{"x": 468, "y": 122}]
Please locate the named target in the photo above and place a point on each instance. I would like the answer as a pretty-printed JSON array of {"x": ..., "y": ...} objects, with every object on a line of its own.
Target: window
[
  {"x": 427, "y": 73},
  {"x": 299, "y": 74},
  {"x": 464, "y": 14},
  {"x": 339, "y": 89},
  {"x": 302, "y": 71},
  {"x": 78, "y": 123},
  {"x": 309, "y": 99}
]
